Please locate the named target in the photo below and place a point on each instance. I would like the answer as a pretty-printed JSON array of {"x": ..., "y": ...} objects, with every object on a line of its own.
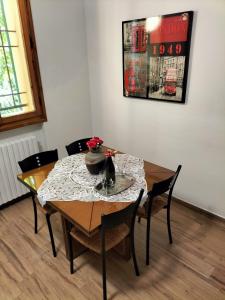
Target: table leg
[{"x": 78, "y": 249}]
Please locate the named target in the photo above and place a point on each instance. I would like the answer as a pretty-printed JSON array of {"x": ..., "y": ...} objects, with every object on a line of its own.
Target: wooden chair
[
  {"x": 113, "y": 230},
  {"x": 155, "y": 202},
  {"x": 77, "y": 146},
  {"x": 32, "y": 162}
]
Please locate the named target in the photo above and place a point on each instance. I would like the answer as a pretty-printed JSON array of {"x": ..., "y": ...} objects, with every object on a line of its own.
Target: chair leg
[
  {"x": 148, "y": 240},
  {"x": 71, "y": 253},
  {"x": 51, "y": 234},
  {"x": 104, "y": 276},
  {"x": 168, "y": 225},
  {"x": 139, "y": 219},
  {"x": 35, "y": 213},
  {"x": 134, "y": 256}
]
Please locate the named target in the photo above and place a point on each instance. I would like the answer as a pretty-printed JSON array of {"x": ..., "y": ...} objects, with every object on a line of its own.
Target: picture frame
[{"x": 156, "y": 57}]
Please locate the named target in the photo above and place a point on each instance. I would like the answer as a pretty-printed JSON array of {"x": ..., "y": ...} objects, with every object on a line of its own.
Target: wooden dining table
[{"x": 86, "y": 216}]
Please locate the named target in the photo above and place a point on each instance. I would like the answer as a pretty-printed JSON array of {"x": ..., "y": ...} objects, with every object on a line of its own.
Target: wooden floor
[{"x": 192, "y": 268}]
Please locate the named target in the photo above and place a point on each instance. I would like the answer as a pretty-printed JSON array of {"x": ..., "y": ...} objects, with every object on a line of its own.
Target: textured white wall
[{"x": 165, "y": 133}]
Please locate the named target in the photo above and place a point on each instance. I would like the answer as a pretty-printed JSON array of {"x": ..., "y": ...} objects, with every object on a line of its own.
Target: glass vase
[{"x": 95, "y": 161}]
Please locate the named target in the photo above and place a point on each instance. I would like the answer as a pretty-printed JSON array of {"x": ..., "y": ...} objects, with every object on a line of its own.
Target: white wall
[
  {"x": 61, "y": 43},
  {"x": 165, "y": 133}
]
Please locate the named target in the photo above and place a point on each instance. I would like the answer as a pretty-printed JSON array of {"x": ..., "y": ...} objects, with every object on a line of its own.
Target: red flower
[
  {"x": 91, "y": 144},
  {"x": 98, "y": 140},
  {"x": 109, "y": 153},
  {"x": 94, "y": 143}
]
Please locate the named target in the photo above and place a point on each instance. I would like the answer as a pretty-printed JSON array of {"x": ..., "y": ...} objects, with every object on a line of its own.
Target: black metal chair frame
[
  {"x": 108, "y": 222},
  {"x": 160, "y": 188},
  {"x": 77, "y": 146},
  {"x": 32, "y": 162}
]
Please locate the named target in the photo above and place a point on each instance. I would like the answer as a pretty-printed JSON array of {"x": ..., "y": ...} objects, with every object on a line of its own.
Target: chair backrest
[
  {"x": 128, "y": 213},
  {"x": 77, "y": 146},
  {"x": 38, "y": 160},
  {"x": 164, "y": 186}
]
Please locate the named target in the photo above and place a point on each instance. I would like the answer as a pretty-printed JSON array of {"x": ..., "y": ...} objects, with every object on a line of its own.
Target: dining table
[{"x": 86, "y": 216}]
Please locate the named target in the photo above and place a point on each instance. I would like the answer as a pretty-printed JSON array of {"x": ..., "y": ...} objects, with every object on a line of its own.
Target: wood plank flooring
[{"x": 192, "y": 268}]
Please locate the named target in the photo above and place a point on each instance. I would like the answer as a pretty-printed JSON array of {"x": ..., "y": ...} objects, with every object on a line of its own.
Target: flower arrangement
[
  {"x": 94, "y": 143},
  {"x": 110, "y": 153}
]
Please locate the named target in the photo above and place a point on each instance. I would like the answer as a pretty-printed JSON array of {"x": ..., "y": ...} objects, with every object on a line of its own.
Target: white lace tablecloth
[{"x": 70, "y": 180}]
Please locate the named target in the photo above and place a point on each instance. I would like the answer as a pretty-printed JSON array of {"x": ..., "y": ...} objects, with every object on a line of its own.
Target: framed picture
[{"x": 156, "y": 55}]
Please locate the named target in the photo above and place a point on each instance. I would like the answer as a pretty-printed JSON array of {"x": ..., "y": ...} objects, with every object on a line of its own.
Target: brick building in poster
[{"x": 159, "y": 66}]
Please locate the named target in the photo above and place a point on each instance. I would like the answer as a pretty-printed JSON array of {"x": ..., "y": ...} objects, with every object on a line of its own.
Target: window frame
[{"x": 39, "y": 115}]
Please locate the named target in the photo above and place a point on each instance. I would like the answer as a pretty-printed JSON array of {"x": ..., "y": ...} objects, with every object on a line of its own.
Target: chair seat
[
  {"x": 112, "y": 237},
  {"x": 158, "y": 204}
]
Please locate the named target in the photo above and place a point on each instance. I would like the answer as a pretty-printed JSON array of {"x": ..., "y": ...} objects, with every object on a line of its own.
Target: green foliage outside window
[{"x": 9, "y": 90}]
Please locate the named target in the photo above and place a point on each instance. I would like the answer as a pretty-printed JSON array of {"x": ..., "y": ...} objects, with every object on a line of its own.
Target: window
[{"x": 21, "y": 96}]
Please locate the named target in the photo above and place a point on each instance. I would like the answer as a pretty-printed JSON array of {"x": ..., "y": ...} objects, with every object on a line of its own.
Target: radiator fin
[{"x": 10, "y": 153}]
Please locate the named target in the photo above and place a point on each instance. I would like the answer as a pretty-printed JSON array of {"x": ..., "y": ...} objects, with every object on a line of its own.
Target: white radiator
[{"x": 10, "y": 153}]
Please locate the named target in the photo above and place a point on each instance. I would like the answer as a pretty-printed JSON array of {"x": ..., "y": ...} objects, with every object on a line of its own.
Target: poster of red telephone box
[{"x": 156, "y": 55}]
